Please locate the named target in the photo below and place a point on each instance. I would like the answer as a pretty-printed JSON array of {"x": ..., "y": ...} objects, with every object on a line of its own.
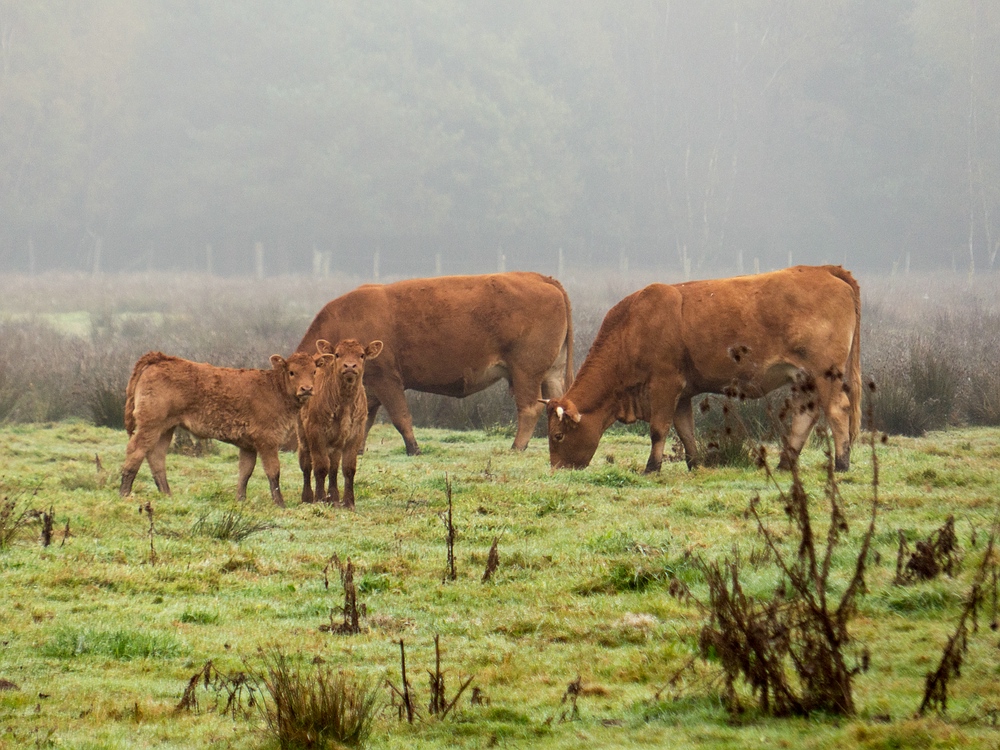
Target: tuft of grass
[
  {"x": 611, "y": 476},
  {"x": 624, "y": 577},
  {"x": 124, "y": 645},
  {"x": 315, "y": 708},
  {"x": 231, "y": 525}
]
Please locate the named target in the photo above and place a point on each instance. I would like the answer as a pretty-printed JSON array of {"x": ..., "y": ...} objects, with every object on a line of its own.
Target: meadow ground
[{"x": 101, "y": 631}]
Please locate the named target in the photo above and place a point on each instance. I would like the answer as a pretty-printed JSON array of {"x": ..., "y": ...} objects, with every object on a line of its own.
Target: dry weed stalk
[
  {"x": 439, "y": 705},
  {"x": 351, "y": 612},
  {"x": 801, "y": 624},
  {"x": 449, "y": 539},
  {"x": 47, "y": 518},
  {"x": 950, "y": 666},
  {"x": 147, "y": 508},
  {"x": 492, "y": 561}
]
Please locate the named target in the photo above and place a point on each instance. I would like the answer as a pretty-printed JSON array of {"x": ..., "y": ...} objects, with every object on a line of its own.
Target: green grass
[{"x": 111, "y": 638}]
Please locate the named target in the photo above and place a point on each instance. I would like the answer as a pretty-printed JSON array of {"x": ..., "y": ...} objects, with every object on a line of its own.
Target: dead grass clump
[
  {"x": 950, "y": 667},
  {"x": 241, "y": 693},
  {"x": 801, "y": 630},
  {"x": 938, "y": 553},
  {"x": 492, "y": 560},
  {"x": 16, "y": 514},
  {"x": 315, "y": 708}
]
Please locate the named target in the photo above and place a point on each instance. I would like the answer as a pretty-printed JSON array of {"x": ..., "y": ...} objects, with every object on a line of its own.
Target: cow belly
[{"x": 472, "y": 381}]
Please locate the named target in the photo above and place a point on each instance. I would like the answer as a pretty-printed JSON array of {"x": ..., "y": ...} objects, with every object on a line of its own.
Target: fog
[{"x": 385, "y": 139}]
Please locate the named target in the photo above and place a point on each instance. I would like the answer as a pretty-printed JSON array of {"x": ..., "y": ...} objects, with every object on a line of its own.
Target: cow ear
[
  {"x": 323, "y": 346},
  {"x": 374, "y": 349},
  {"x": 278, "y": 362},
  {"x": 324, "y": 359},
  {"x": 569, "y": 410}
]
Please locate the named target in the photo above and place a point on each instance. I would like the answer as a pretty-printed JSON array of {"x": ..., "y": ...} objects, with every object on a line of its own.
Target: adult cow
[
  {"x": 663, "y": 345},
  {"x": 455, "y": 336}
]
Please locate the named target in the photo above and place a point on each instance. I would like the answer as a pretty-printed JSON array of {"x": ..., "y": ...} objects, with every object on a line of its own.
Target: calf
[
  {"x": 251, "y": 409},
  {"x": 331, "y": 427}
]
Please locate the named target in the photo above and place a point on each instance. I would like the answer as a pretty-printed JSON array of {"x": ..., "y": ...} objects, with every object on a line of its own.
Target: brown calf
[
  {"x": 251, "y": 409},
  {"x": 331, "y": 427}
]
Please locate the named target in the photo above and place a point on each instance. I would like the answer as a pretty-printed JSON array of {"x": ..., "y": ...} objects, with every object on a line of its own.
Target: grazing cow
[
  {"x": 663, "y": 345},
  {"x": 331, "y": 426},
  {"x": 251, "y": 409},
  {"x": 456, "y": 335}
]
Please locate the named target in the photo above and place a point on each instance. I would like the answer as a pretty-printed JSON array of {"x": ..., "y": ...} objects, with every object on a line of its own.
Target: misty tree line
[{"x": 409, "y": 138}]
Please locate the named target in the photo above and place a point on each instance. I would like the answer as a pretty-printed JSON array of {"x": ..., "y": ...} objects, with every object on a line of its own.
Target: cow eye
[
  {"x": 291, "y": 373},
  {"x": 558, "y": 437}
]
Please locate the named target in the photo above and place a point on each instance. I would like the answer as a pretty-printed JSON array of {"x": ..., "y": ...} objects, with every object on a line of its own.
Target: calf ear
[
  {"x": 323, "y": 346},
  {"x": 278, "y": 362},
  {"x": 374, "y": 349},
  {"x": 324, "y": 359}
]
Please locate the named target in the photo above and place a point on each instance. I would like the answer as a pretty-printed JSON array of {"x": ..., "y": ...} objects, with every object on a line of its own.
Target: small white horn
[{"x": 560, "y": 411}]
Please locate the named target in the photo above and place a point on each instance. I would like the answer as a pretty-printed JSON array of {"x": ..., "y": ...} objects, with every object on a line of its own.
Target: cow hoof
[
  {"x": 843, "y": 464},
  {"x": 413, "y": 450}
]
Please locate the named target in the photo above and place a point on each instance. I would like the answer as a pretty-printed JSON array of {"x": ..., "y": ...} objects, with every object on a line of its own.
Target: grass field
[{"x": 100, "y": 639}]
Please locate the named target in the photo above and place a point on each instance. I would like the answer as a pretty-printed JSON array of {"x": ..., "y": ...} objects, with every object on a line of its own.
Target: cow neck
[{"x": 605, "y": 375}]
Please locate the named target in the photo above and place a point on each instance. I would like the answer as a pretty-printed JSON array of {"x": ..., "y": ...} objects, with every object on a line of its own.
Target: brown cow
[
  {"x": 456, "y": 335},
  {"x": 663, "y": 345},
  {"x": 331, "y": 425},
  {"x": 251, "y": 409}
]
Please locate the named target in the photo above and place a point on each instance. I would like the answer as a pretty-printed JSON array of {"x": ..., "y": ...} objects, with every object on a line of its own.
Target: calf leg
[
  {"x": 272, "y": 467},
  {"x": 350, "y": 463},
  {"x": 305, "y": 464},
  {"x": 334, "y": 492},
  {"x": 157, "y": 458},
  {"x": 321, "y": 469},
  {"x": 248, "y": 459}
]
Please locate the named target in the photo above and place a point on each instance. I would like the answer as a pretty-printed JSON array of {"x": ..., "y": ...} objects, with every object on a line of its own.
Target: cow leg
[
  {"x": 837, "y": 408},
  {"x": 527, "y": 392},
  {"x": 663, "y": 402},
  {"x": 684, "y": 424},
  {"x": 373, "y": 405},
  {"x": 350, "y": 463},
  {"x": 272, "y": 468},
  {"x": 139, "y": 446},
  {"x": 157, "y": 458},
  {"x": 248, "y": 459},
  {"x": 393, "y": 398},
  {"x": 804, "y": 416}
]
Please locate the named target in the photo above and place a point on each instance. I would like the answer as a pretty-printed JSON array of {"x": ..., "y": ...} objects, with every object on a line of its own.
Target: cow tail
[
  {"x": 854, "y": 392},
  {"x": 569, "y": 336},
  {"x": 147, "y": 359}
]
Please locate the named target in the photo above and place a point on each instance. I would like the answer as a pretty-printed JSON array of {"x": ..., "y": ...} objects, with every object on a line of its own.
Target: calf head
[
  {"x": 573, "y": 437},
  {"x": 349, "y": 358},
  {"x": 298, "y": 373}
]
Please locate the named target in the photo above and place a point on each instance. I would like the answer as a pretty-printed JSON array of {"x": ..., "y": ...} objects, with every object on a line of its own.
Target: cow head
[
  {"x": 298, "y": 373},
  {"x": 573, "y": 437},
  {"x": 349, "y": 358}
]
